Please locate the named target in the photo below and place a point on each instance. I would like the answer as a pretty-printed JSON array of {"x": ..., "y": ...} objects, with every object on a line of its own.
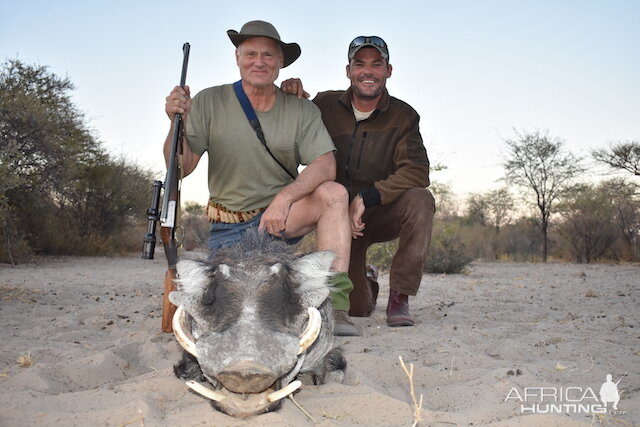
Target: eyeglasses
[{"x": 362, "y": 41}]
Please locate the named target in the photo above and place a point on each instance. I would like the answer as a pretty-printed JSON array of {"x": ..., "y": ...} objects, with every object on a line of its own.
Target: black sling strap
[{"x": 255, "y": 123}]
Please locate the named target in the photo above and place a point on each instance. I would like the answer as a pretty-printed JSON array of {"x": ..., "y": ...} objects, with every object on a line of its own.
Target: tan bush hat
[{"x": 264, "y": 29}]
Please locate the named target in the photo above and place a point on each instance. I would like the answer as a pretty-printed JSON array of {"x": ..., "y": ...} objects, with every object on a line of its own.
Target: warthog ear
[
  {"x": 193, "y": 276},
  {"x": 191, "y": 279},
  {"x": 312, "y": 271},
  {"x": 194, "y": 279}
]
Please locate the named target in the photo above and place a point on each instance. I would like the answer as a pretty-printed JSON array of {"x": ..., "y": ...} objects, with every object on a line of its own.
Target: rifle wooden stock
[
  {"x": 168, "y": 309},
  {"x": 170, "y": 209},
  {"x": 171, "y": 252}
]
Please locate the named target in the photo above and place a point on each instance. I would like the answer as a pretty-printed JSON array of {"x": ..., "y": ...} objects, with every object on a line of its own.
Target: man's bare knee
[{"x": 332, "y": 194}]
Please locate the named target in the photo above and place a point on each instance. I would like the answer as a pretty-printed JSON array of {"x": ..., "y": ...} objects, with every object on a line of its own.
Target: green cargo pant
[{"x": 342, "y": 287}]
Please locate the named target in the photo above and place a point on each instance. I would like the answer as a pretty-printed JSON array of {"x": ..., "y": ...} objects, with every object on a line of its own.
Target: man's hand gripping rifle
[{"x": 169, "y": 213}]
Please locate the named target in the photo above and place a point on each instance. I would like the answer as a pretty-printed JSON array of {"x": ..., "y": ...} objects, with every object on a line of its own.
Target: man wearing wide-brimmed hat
[{"x": 253, "y": 170}]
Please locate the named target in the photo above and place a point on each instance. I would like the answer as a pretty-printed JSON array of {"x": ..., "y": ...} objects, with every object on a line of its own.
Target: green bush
[
  {"x": 447, "y": 253},
  {"x": 196, "y": 227},
  {"x": 381, "y": 254},
  {"x": 14, "y": 248},
  {"x": 61, "y": 192}
]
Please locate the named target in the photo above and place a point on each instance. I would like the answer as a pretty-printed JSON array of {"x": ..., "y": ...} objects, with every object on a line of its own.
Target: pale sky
[{"x": 473, "y": 69}]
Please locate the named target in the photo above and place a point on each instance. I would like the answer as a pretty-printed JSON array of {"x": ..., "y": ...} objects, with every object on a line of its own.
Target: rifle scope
[{"x": 153, "y": 215}]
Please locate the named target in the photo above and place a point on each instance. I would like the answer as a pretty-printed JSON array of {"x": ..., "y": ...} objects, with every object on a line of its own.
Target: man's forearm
[
  {"x": 320, "y": 170},
  {"x": 189, "y": 158}
]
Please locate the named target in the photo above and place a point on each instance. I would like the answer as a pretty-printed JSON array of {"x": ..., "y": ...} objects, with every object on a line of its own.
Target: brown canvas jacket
[{"x": 380, "y": 157}]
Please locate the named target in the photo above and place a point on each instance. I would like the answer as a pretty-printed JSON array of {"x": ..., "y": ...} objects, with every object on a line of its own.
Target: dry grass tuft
[
  {"x": 136, "y": 420},
  {"x": 24, "y": 360},
  {"x": 302, "y": 409},
  {"x": 18, "y": 293},
  {"x": 415, "y": 403},
  {"x": 605, "y": 419}
]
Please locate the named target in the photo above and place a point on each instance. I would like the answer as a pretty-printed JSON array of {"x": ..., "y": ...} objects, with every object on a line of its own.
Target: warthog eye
[
  {"x": 221, "y": 274},
  {"x": 209, "y": 296},
  {"x": 278, "y": 301}
]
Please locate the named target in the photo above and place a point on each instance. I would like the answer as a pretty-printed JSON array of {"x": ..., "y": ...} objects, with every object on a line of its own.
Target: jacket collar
[{"x": 345, "y": 100}]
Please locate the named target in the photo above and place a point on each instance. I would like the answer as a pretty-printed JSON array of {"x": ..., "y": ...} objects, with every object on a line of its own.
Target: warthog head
[{"x": 251, "y": 324}]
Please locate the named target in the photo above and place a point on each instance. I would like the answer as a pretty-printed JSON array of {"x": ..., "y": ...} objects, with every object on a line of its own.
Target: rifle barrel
[{"x": 168, "y": 212}]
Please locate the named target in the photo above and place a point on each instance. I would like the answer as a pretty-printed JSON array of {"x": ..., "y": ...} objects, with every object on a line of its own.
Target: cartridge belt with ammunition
[{"x": 218, "y": 213}]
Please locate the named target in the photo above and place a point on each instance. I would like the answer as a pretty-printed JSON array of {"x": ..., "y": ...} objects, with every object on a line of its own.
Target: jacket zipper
[
  {"x": 353, "y": 140},
  {"x": 364, "y": 140}
]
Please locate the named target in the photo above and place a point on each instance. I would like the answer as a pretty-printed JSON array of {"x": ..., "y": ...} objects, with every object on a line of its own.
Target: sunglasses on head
[
  {"x": 374, "y": 40},
  {"x": 363, "y": 41}
]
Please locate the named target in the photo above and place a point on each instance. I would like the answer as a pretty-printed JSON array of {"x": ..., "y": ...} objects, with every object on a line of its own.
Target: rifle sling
[{"x": 255, "y": 123}]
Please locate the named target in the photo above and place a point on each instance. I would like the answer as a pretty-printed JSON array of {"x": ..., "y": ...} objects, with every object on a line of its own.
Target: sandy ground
[{"x": 90, "y": 330}]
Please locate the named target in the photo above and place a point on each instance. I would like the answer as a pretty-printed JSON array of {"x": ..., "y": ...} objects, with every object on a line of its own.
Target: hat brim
[{"x": 291, "y": 51}]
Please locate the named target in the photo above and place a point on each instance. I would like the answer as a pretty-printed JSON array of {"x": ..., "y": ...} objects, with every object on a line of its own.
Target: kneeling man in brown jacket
[{"x": 382, "y": 161}]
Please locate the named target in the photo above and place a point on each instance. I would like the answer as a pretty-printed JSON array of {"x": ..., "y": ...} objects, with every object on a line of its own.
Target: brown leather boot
[
  {"x": 343, "y": 326},
  {"x": 398, "y": 310}
]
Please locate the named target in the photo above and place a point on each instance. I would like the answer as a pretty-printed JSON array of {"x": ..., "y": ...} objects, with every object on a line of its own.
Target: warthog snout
[{"x": 247, "y": 377}]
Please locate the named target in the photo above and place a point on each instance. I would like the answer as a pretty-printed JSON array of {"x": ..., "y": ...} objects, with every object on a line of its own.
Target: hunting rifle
[{"x": 168, "y": 214}]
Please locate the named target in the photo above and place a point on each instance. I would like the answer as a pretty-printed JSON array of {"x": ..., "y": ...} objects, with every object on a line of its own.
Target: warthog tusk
[
  {"x": 284, "y": 391},
  {"x": 205, "y": 391},
  {"x": 218, "y": 397},
  {"x": 312, "y": 330},
  {"x": 185, "y": 339}
]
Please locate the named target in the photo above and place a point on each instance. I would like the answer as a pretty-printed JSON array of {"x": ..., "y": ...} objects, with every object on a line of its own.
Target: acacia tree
[
  {"x": 588, "y": 222},
  {"x": 625, "y": 199},
  {"x": 40, "y": 122},
  {"x": 43, "y": 138},
  {"x": 540, "y": 164},
  {"x": 60, "y": 192},
  {"x": 476, "y": 210},
  {"x": 500, "y": 204},
  {"x": 621, "y": 155},
  {"x": 492, "y": 208},
  {"x": 445, "y": 200}
]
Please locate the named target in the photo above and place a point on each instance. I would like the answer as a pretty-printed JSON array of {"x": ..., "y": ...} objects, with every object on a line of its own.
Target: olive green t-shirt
[{"x": 242, "y": 175}]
